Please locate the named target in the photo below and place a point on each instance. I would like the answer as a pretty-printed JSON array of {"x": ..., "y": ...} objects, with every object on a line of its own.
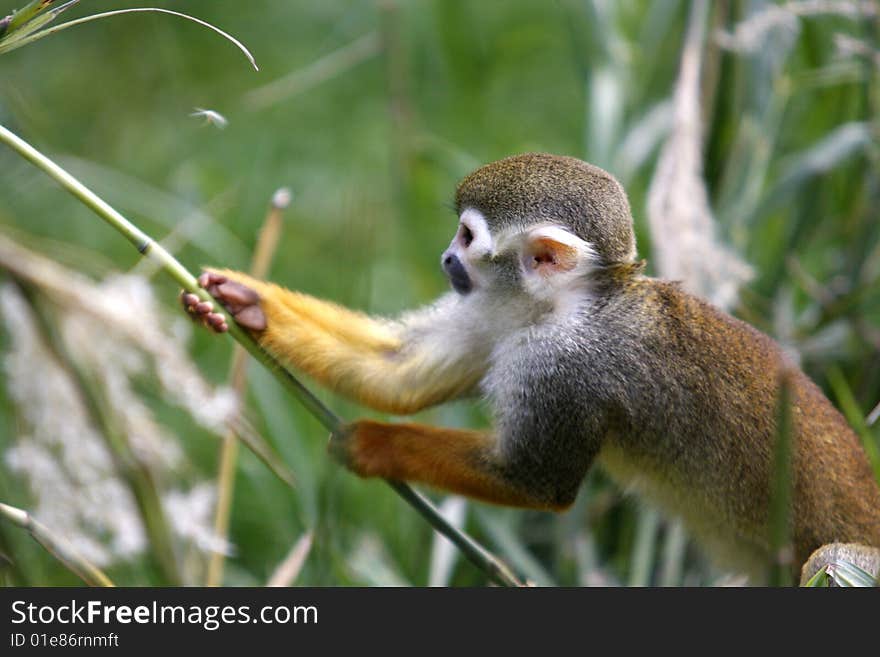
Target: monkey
[{"x": 582, "y": 359}]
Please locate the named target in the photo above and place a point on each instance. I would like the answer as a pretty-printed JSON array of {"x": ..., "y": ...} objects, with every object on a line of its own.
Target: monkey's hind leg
[{"x": 459, "y": 461}]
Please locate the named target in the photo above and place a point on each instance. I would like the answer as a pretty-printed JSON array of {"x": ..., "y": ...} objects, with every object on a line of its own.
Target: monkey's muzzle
[{"x": 456, "y": 273}]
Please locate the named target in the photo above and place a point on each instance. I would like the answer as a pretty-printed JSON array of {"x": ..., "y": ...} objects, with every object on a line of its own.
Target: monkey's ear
[{"x": 551, "y": 250}]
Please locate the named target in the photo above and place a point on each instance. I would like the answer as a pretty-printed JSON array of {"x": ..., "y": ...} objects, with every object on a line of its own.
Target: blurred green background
[{"x": 371, "y": 112}]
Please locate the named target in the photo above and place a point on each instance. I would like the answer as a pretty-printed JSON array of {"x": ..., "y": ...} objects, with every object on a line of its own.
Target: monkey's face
[
  {"x": 466, "y": 260},
  {"x": 541, "y": 259}
]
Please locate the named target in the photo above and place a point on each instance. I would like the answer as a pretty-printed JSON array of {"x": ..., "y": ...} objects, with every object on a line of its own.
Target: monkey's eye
[{"x": 466, "y": 236}]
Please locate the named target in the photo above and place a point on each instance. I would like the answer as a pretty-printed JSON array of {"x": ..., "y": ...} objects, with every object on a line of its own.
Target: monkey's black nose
[{"x": 457, "y": 274}]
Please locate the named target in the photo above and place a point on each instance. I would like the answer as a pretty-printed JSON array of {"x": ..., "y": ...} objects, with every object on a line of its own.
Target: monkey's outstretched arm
[
  {"x": 465, "y": 462},
  {"x": 380, "y": 363}
]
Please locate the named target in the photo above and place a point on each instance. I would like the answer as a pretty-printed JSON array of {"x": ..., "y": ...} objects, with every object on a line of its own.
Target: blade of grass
[
  {"x": 146, "y": 246},
  {"x": 56, "y": 546},
  {"x": 846, "y": 574},
  {"x": 19, "y": 17},
  {"x": 819, "y": 580},
  {"x": 8, "y": 44},
  {"x": 289, "y": 569},
  {"x": 29, "y": 19}
]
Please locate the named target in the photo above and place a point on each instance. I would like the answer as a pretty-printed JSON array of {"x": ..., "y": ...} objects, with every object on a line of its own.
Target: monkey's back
[{"x": 694, "y": 426}]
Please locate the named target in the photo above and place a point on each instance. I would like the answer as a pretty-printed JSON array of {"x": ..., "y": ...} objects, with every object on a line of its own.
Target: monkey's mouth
[
  {"x": 457, "y": 274},
  {"x": 462, "y": 286}
]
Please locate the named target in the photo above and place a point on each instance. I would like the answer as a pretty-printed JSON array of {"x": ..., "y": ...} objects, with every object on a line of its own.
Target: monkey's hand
[{"x": 242, "y": 302}]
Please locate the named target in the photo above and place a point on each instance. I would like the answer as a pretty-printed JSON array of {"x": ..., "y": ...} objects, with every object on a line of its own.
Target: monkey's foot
[{"x": 240, "y": 301}]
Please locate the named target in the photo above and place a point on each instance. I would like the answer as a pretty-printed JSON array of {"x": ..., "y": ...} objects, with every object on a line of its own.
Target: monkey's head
[{"x": 539, "y": 221}]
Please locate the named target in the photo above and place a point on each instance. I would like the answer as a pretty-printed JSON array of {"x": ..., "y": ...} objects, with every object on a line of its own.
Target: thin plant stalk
[
  {"x": 35, "y": 23},
  {"x": 56, "y": 546},
  {"x": 267, "y": 243},
  {"x": 146, "y": 246}
]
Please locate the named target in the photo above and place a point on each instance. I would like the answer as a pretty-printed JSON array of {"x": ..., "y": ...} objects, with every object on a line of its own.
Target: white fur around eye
[{"x": 476, "y": 223}]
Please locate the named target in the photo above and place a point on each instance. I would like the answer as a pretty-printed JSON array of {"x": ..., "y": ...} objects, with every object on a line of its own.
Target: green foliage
[
  {"x": 372, "y": 146},
  {"x": 842, "y": 574}
]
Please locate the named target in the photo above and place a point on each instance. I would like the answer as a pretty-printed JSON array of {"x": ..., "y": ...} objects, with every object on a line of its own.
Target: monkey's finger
[
  {"x": 217, "y": 322},
  {"x": 237, "y": 294},
  {"x": 189, "y": 301},
  {"x": 251, "y": 317},
  {"x": 209, "y": 278}
]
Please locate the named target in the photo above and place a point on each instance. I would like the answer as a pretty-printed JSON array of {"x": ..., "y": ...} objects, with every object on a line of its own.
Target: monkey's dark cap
[{"x": 538, "y": 187}]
